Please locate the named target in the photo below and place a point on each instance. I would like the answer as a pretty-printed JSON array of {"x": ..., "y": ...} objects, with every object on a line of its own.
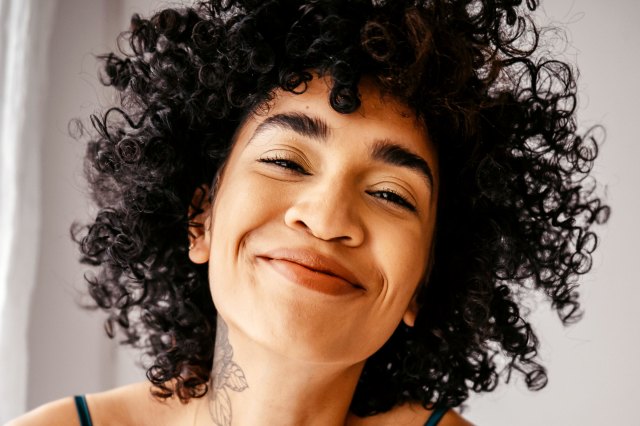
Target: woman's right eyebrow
[
  {"x": 305, "y": 125},
  {"x": 385, "y": 150}
]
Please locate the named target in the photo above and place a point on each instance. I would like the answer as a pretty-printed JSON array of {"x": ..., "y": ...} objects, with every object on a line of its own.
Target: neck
[{"x": 252, "y": 385}]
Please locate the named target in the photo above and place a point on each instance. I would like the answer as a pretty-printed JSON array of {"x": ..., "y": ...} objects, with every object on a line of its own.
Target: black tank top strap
[
  {"x": 83, "y": 410},
  {"x": 436, "y": 416}
]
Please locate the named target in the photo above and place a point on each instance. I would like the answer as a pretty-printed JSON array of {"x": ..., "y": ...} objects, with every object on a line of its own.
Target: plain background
[{"x": 594, "y": 366}]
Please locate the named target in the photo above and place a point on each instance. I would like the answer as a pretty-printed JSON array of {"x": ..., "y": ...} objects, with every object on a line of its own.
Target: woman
[{"x": 328, "y": 212}]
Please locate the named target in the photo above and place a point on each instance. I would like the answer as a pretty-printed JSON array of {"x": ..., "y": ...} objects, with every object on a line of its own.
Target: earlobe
[
  {"x": 199, "y": 244},
  {"x": 199, "y": 226},
  {"x": 409, "y": 317}
]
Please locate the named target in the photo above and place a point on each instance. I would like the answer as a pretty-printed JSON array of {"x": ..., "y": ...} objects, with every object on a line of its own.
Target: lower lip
[{"x": 314, "y": 280}]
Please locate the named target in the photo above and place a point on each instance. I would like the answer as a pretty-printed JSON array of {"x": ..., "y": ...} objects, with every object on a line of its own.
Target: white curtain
[{"x": 25, "y": 29}]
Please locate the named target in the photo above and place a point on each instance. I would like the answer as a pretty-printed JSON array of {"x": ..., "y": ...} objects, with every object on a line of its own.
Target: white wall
[
  {"x": 68, "y": 352},
  {"x": 593, "y": 366},
  {"x": 594, "y": 369}
]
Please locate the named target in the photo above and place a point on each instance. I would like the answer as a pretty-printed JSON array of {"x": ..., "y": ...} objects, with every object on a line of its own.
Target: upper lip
[{"x": 314, "y": 260}]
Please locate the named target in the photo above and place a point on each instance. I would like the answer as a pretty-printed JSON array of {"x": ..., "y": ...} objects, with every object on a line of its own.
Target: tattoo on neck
[{"x": 226, "y": 376}]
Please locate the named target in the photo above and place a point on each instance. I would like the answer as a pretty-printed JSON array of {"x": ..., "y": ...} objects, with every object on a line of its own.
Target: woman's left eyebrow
[
  {"x": 387, "y": 151},
  {"x": 384, "y": 150}
]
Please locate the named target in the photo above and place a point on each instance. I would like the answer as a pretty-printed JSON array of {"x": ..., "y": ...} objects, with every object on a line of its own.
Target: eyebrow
[
  {"x": 390, "y": 152},
  {"x": 305, "y": 125},
  {"x": 384, "y": 150}
]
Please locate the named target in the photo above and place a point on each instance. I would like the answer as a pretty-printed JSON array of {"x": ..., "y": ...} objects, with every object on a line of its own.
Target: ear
[
  {"x": 200, "y": 225},
  {"x": 409, "y": 317}
]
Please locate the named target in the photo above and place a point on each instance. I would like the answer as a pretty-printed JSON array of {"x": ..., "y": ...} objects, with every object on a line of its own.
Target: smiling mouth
[{"x": 319, "y": 280}]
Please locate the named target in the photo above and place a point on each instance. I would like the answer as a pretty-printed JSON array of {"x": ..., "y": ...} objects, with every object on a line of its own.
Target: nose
[{"x": 327, "y": 211}]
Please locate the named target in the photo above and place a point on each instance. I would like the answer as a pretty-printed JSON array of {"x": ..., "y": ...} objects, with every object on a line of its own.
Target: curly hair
[{"x": 516, "y": 207}]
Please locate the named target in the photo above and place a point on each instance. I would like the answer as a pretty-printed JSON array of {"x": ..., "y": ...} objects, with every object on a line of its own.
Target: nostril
[{"x": 325, "y": 219}]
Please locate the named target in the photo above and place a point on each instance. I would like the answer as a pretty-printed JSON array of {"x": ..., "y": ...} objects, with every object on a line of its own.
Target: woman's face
[{"x": 322, "y": 225}]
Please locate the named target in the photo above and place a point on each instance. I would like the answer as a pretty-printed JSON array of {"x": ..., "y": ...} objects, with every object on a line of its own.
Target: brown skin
[
  {"x": 304, "y": 372},
  {"x": 134, "y": 405},
  {"x": 304, "y": 178}
]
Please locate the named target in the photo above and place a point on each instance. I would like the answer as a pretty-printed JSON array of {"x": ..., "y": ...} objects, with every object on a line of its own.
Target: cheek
[
  {"x": 402, "y": 255},
  {"x": 242, "y": 206},
  {"x": 233, "y": 217},
  {"x": 244, "y": 201}
]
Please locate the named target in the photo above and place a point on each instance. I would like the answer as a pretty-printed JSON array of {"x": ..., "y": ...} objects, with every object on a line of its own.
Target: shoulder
[
  {"x": 452, "y": 418},
  {"x": 411, "y": 414},
  {"x": 131, "y": 404},
  {"x": 60, "y": 412}
]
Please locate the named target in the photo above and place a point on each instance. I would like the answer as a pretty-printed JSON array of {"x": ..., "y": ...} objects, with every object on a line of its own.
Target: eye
[
  {"x": 283, "y": 162},
  {"x": 391, "y": 196}
]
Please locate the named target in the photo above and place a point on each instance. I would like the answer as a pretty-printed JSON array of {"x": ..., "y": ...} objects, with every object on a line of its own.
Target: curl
[{"x": 517, "y": 200}]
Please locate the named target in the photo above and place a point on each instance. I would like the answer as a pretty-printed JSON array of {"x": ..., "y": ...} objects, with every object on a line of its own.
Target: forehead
[
  {"x": 375, "y": 105},
  {"x": 379, "y": 116}
]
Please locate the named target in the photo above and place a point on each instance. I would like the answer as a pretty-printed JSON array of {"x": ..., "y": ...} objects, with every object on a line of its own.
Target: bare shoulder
[
  {"x": 127, "y": 405},
  {"x": 408, "y": 415},
  {"x": 132, "y": 405},
  {"x": 452, "y": 418},
  {"x": 56, "y": 413}
]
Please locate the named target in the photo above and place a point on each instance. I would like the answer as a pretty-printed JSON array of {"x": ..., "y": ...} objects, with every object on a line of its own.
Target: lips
[{"x": 319, "y": 268}]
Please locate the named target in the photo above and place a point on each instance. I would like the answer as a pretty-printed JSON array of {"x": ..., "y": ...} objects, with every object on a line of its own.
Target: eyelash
[
  {"x": 285, "y": 163},
  {"x": 391, "y": 196},
  {"x": 387, "y": 195}
]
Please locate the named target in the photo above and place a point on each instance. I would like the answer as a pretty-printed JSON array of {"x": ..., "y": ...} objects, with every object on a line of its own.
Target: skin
[
  {"x": 326, "y": 194},
  {"x": 337, "y": 209},
  {"x": 287, "y": 353}
]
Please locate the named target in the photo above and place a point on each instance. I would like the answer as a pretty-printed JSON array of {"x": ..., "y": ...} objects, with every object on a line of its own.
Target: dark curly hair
[{"x": 516, "y": 205}]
